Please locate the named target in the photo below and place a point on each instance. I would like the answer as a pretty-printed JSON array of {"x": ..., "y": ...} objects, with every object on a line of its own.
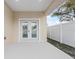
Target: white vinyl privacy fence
[{"x": 64, "y": 33}]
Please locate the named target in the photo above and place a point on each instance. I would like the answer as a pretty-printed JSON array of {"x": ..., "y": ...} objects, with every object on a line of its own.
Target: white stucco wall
[
  {"x": 11, "y": 24},
  {"x": 64, "y": 33},
  {"x": 42, "y": 24},
  {"x": 8, "y": 24}
]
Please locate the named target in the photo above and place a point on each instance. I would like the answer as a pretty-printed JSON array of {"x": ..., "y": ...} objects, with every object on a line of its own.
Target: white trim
[
  {"x": 29, "y": 18},
  {"x": 19, "y": 31}
]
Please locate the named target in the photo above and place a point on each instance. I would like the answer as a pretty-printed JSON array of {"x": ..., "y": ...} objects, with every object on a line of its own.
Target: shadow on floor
[{"x": 65, "y": 48}]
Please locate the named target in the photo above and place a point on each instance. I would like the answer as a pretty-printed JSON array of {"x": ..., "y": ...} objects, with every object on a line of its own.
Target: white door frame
[{"x": 28, "y": 19}]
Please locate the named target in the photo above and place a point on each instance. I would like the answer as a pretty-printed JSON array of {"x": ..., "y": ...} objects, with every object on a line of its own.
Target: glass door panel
[
  {"x": 34, "y": 29},
  {"x": 25, "y": 33},
  {"x": 29, "y": 30}
]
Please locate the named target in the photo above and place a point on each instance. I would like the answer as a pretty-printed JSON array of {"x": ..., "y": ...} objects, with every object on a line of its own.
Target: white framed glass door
[
  {"x": 29, "y": 30},
  {"x": 34, "y": 30}
]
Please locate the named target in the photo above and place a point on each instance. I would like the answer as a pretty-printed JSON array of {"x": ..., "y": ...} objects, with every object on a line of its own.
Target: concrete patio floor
[{"x": 34, "y": 50}]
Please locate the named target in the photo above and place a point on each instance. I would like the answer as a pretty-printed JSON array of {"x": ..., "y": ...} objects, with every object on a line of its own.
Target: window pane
[
  {"x": 34, "y": 30},
  {"x": 25, "y": 31}
]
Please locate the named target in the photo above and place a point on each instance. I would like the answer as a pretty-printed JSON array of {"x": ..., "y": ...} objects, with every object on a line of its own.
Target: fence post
[{"x": 60, "y": 32}]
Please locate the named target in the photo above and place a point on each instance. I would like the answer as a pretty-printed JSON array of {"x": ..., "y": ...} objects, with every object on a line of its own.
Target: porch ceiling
[{"x": 30, "y": 5}]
